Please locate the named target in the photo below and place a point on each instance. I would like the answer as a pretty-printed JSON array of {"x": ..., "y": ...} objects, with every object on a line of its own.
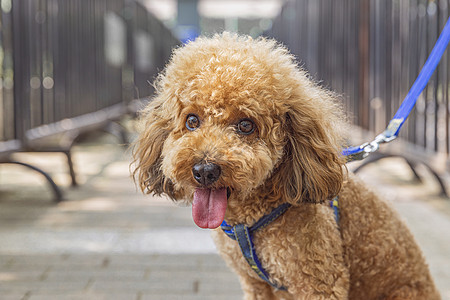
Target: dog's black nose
[{"x": 206, "y": 174}]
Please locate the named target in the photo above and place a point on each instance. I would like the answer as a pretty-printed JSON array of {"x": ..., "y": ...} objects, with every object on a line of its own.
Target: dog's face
[
  {"x": 232, "y": 115},
  {"x": 225, "y": 143}
]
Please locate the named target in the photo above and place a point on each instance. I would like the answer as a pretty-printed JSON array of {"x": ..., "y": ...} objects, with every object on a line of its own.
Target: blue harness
[{"x": 243, "y": 235}]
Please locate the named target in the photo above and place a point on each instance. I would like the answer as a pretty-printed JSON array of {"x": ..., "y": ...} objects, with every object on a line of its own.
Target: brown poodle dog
[{"x": 238, "y": 129}]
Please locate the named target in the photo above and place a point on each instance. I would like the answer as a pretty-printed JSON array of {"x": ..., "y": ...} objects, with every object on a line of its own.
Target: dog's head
[{"x": 233, "y": 116}]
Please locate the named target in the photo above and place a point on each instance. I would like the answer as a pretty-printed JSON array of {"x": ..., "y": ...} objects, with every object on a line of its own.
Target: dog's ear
[
  {"x": 312, "y": 170},
  {"x": 154, "y": 123}
]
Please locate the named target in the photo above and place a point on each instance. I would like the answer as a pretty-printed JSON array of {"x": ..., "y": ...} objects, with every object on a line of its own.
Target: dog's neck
[{"x": 249, "y": 209}]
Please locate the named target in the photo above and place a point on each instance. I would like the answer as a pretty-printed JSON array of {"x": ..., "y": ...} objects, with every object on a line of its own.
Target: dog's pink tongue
[{"x": 209, "y": 207}]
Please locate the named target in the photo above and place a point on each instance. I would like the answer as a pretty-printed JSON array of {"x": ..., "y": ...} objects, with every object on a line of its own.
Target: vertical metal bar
[
  {"x": 47, "y": 62},
  {"x": 373, "y": 82},
  {"x": 446, "y": 85},
  {"x": 421, "y": 49},
  {"x": 395, "y": 54},
  {"x": 443, "y": 111},
  {"x": 3, "y": 123},
  {"x": 61, "y": 54},
  {"x": 430, "y": 90},
  {"x": 353, "y": 56},
  {"x": 434, "y": 14},
  {"x": 363, "y": 47},
  {"x": 21, "y": 84},
  {"x": 311, "y": 19},
  {"x": 427, "y": 89},
  {"x": 34, "y": 43},
  {"x": 405, "y": 12},
  {"x": 10, "y": 114},
  {"x": 388, "y": 60},
  {"x": 412, "y": 62}
]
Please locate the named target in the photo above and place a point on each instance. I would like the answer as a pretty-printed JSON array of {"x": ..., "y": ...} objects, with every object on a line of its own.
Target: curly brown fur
[{"x": 293, "y": 155}]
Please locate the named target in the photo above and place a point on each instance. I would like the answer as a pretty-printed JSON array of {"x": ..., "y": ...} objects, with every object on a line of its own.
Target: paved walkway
[{"x": 107, "y": 241}]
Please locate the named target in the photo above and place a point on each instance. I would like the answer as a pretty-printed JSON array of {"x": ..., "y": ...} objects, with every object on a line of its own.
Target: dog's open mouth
[{"x": 209, "y": 207}]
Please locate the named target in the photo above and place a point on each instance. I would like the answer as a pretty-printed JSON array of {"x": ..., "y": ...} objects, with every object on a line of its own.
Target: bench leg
[{"x": 58, "y": 196}]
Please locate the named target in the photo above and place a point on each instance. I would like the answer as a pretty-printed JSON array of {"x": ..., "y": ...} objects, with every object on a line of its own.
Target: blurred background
[
  {"x": 74, "y": 73},
  {"x": 65, "y": 59}
]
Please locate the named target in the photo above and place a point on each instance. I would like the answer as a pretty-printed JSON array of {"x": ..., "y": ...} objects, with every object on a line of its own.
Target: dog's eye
[
  {"x": 246, "y": 126},
  {"x": 192, "y": 122}
]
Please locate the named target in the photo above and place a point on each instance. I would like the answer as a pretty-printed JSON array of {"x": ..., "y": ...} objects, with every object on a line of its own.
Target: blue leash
[{"x": 392, "y": 130}]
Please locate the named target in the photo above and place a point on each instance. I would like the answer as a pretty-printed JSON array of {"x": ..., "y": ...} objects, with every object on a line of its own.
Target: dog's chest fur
[
  {"x": 307, "y": 245},
  {"x": 310, "y": 244}
]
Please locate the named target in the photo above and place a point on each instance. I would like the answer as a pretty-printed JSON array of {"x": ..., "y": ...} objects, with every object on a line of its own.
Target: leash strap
[{"x": 392, "y": 130}]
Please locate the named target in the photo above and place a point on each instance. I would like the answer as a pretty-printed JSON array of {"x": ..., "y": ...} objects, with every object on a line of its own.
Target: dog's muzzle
[{"x": 206, "y": 174}]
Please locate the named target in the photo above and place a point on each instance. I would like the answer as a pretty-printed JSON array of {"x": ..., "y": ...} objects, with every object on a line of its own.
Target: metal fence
[
  {"x": 65, "y": 59},
  {"x": 70, "y": 66},
  {"x": 371, "y": 51}
]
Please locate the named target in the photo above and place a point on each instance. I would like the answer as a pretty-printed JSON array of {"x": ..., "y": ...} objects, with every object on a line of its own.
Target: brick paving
[
  {"x": 116, "y": 276},
  {"x": 107, "y": 241},
  {"x": 122, "y": 276}
]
